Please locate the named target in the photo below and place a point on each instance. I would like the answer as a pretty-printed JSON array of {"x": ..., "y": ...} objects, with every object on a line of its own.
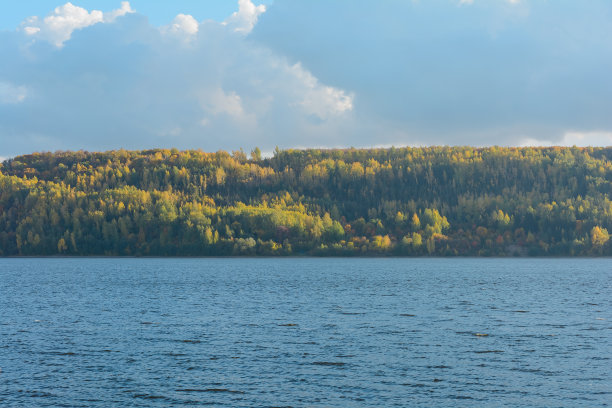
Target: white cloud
[
  {"x": 183, "y": 24},
  {"x": 11, "y": 94},
  {"x": 122, "y": 11},
  {"x": 573, "y": 138},
  {"x": 58, "y": 26},
  {"x": 31, "y": 30},
  {"x": 243, "y": 20},
  {"x": 321, "y": 101}
]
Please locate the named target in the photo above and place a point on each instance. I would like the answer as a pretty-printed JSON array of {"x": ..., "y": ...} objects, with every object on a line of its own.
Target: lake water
[{"x": 306, "y": 332}]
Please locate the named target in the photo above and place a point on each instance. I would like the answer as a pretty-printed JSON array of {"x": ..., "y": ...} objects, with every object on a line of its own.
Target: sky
[
  {"x": 225, "y": 74},
  {"x": 158, "y": 12}
]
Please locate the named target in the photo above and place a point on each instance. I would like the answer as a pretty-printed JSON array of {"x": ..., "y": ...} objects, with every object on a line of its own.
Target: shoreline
[{"x": 298, "y": 257}]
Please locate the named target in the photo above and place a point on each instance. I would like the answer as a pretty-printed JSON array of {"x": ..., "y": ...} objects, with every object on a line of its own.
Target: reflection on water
[{"x": 305, "y": 332}]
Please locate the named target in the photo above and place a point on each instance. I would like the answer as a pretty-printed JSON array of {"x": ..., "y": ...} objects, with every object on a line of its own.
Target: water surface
[{"x": 305, "y": 332}]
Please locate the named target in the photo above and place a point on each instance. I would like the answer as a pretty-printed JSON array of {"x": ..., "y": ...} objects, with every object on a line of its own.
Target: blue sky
[{"x": 225, "y": 74}]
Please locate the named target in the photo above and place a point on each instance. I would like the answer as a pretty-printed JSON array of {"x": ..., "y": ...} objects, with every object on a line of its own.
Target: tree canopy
[{"x": 397, "y": 201}]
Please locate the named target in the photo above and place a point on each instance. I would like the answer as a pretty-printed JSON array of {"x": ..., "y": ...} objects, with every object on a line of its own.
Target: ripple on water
[{"x": 305, "y": 332}]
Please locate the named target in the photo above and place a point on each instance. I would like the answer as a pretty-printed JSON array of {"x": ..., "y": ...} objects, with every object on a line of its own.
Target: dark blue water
[{"x": 305, "y": 332}]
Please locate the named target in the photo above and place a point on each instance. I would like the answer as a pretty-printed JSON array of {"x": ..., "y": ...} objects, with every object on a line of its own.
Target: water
[{"x": 305, "y": 332}]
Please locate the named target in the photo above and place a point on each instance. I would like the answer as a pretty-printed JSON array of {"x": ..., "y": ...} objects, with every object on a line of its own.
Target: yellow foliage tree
[{"x": 599, "y": 236}]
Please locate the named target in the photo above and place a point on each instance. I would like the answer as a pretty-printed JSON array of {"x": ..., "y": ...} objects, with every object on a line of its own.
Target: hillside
[{"x": 398, "y": 201}]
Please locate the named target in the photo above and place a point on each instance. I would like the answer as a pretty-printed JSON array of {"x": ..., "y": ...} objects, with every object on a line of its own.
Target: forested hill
[{"x": 398, "y": 201}]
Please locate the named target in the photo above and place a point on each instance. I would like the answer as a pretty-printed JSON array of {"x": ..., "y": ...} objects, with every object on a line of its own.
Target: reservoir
[{"x": 305, "y": 332}]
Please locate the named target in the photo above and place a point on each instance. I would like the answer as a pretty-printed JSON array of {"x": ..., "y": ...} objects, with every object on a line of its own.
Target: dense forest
[{"x": 398, "y": 201}]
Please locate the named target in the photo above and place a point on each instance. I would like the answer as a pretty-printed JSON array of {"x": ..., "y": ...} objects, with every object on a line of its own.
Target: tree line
[{"x": 441, "y": 201}]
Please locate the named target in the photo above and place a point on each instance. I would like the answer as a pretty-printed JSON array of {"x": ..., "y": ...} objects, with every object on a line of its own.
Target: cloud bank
[
  {"x": 307, "y": 73},
  {"x": 456, "y": 71},
  {"x": 93, "y": 80}
]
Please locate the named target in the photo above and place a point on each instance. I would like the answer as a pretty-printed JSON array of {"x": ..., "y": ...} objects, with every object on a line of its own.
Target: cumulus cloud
[
  {"x": 58, "y": 26},
  {"x": 245, "y": 18},
  {"x": 321, "y": 101},
  {"x": 128, "y": 84},
  {"x": 183, "y": 24},
  {"x": 122, "y": 11}
]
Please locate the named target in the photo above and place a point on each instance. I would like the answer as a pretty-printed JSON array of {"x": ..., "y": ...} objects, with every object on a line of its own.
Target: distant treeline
[{"x": 398, "y": 201}]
